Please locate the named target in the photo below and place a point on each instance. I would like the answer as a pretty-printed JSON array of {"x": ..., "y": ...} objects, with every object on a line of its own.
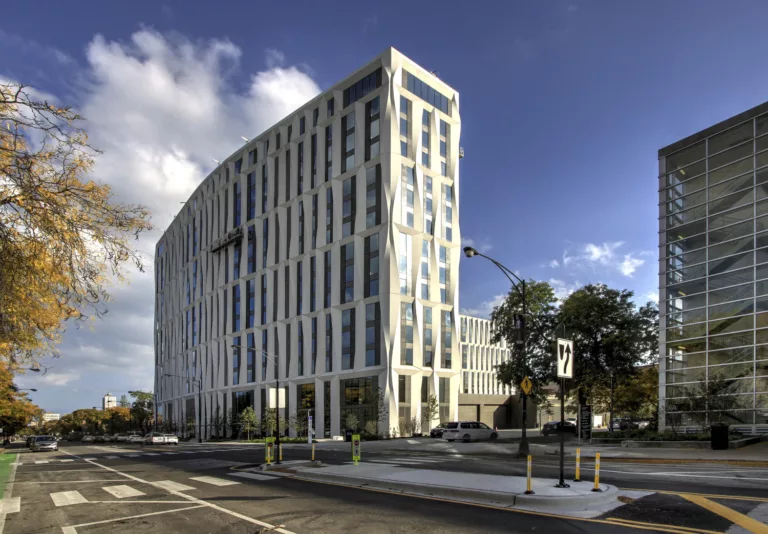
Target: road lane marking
[
  {"x": 89, "y": 458},
  {"x": 111, "y": 457},
  {"x": 631, "y": 523},
  {"x": 150, "y": 454},
  {"x": 730, "y": 514},
  {"x": 132, "y": 455},
  {"x": 41, "y": 462},
  {"x": 123, "y": 491},
  {"x": 66, "y": 460},
  {"x": 73, "y": 529},
  {"x": 215, "y": 481},
  {"x": 10, "y": 506},
  {"x": 170, "y": 485},
  {"x": 253, "y": 476},
  {"x": 264, "y": 525},
  {"x": 66, "y": 498}
]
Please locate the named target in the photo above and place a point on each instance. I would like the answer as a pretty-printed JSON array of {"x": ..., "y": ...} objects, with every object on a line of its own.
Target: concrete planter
[
  {"x": 629, "y": 444},
  {"x": 739, "y": 443}
]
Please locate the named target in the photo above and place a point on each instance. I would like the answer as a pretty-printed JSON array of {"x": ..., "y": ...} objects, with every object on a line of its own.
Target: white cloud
[
  {"x": 160, "y": 108},
  {"x": 562, "y": 288},
  {"x": 483, "y": 247},
  {"x": 554, "y": 264},
  {"x": 602, "y": 254},
  {"x": 485, "y": 308},
  {"x": 653, "y": 296},
  {"x": 630, "y": 264}
]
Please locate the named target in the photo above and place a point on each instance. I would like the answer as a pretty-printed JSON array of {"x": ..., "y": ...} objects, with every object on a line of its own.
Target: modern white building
[
  {"x": 330, "y": 245},
  {"x": 109, "y": 401},
  {"x": 479, "y": 358}
]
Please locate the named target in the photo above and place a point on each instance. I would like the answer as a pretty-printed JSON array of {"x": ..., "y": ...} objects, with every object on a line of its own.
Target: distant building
[
  {"x": 51, "y": 417},
  {"x": 109, "y": 401}
]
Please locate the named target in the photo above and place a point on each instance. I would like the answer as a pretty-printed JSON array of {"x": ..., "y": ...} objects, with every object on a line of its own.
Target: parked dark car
[
  {"x": 437, "y": 432},
  {"x": 554, "y": 427}
]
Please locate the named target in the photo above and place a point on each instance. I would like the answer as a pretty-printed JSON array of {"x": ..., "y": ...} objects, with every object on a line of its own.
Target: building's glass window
[
  {"x": 302, "y": 125},
  {"x": 236, "y": 308},
  {"x": 300, "y": 183},
  {"x": 425, "y": 278},
  {"x": 348, "y": 339},
  {"x": 301, "y": 227},
  {"x": 313, "y": 368},
  {"x": 347, "y": 287},
  {"x": 290, "y": 132},
  {"x": 287, "y": 291},
  {"x": 251, "y": 195},
  {"x": 329, "y": 215},
  {"x": 250, "y": 371},
  {"x": 429, "y": 346},
  {"x": 289, "y": 354},
  {"x": 408, "y": 195},
  {"x": 264, "y": 345},
  {"x": 373, "y": 196},
  {"x": 349, "y": 207},
  {"x": 426, "y": 92},
  {"x": 405, "y": 107},
  {"x": 194, "y": 328},
  {"x": 299, "y": 287},
  {"x": 251, "y": 249},
  {"x": 362, "y": 87},
  {"x": 194, "y": 277},
  {"x": 463, "y": 329},
  {"x": 275, "y": 181},
  {"x": 372, "y": 265},
  {"x": 251, "y": 290},
  {"x": 327, "y": 282},
  {"x": 443, "y": 147},
  {"x": 348, "y": 142},
  {"x": 328, "y": 343},
  {"x": 265, "y": 242},
  {"x": 444, "y": 398},
  {"x": 405, "y": 264},
  {"x": 448, "y": 203},
  {"x": 236, "y": 361},
  {"x": 331, "y": 107},
  {"x": 275, "y": 293},
  {"x": 406, "y": 333},
  {"x": 404, "y": 399},
  {"x": 464, "y": 363},
  {"x": 252, "y": 156},
  {"x": 237, "y": 201},
  {"x": 372, "y": 129},
  {"x": 328, "y": 152},
  {"x": 264, "y": 299},
  {"x": 313, "y": 158},
  {"x": 372, "y": 328},
  {"x": 300, "y": 349},
  {"x": 443, "y": 266},
  {"x": 238, "y": 166},
  {"x": 314, "y": 221},
  {"x": 445, "y": 362},
  {"x": 315, "y": 116},
  {"x": 226, "y": 265},
  {"x": 287, "y": 175},
  {"x": 236, "y": 265},
  {"x": 264, "y": 188},
  {"x": 429, "y": 211},
  {"x": 277, "y": 141}
]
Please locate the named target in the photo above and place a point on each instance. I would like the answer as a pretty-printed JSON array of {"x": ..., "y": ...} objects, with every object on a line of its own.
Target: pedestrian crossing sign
[{"x": 526, "y": 385}]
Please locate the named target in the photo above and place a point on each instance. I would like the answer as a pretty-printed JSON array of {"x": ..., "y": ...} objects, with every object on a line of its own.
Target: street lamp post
[
  {"x": 198, "y": 382},
  {"x": 469, "y": 252},
  {"x": 274, "y": 359}
]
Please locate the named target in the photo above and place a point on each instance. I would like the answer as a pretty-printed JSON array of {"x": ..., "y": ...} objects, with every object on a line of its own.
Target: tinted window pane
[
  {"x": 685, "y": 156},
  {"x": 729, "y": 138}
]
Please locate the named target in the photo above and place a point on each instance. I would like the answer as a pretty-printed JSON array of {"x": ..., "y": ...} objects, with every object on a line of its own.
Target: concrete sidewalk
[{"x": 499, "y": 491}]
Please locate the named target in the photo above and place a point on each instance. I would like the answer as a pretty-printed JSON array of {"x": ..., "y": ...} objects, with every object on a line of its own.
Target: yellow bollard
[
  {"x": 577, "y": 478},
  {"x": 269, "y": 456},
  {"x": 280, "y": 452},
  {"x": 597, "y": 473},
  {"x": 313, "y": 452},
  {"x": 528, "y": 487}
]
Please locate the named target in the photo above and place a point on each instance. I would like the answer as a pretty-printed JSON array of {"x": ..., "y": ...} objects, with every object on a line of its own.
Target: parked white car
[
  {"x": 135, "y": 438},
  {"x": 171, "y": 439},
  {"x": 468, "y": 431},
  {"x": 154, "y": 438}
]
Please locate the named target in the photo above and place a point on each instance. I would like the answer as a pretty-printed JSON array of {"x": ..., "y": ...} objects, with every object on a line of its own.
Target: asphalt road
[{"x": 104, "y": 488}]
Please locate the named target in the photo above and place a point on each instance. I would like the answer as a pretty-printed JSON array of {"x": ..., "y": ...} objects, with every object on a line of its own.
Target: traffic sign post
[
  {"x": 565, "y": 359},
  {"x": 356, "y": 448},
  {"x": 526, "y": 385}
]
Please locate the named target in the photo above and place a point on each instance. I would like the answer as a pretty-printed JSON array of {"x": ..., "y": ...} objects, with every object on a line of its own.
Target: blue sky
[{"x": 564, "y": 105}]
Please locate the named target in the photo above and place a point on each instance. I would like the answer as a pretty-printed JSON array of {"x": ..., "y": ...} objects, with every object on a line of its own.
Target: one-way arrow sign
[{"x": 565, "y": 358}]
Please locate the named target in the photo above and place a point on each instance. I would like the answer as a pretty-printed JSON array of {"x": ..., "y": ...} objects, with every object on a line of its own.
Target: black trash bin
[
  {"x": 719, "y": 439},
  {"x": 348, "y": 435}
]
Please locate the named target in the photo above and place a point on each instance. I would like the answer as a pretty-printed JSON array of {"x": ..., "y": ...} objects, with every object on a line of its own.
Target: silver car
[
  {"x": 45, "y": 443},
  {"x": 467, "y": 431}
]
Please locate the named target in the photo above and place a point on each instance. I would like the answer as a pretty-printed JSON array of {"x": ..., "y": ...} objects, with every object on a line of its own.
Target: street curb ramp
[{"x": 571, "y": 503}]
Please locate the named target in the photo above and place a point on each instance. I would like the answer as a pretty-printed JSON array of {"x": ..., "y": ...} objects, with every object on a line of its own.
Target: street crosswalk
[{"x": 414, "y": 460}]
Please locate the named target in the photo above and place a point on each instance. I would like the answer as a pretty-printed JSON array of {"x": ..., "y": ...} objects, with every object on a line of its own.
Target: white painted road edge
[
  {"x": 190, "y": 498},
  {"x": 8, "y": 492}
]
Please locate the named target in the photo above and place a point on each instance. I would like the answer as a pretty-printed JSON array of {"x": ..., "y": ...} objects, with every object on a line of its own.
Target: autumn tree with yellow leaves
[{"x": 64, "y": 238}]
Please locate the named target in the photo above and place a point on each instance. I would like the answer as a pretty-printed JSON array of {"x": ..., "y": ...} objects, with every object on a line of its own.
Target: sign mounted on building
[{"x": 565, "y": 358}]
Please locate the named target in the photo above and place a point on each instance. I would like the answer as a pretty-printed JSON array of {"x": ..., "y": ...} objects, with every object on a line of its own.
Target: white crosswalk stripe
[
  {"x": 253, "y": 476},
  {"x": 66, "y": 460},
  {"x": 170, "y": 485},
  {"x": 66, "y": 498},
  {"x": 41, "y": 461},
  {"x": 215, "y": 481},
  {"x": 151, "y": 454},
  {"x": 91, "y": 459},
  {"x": 123, "y": 491},
  {"x": 10, "y": 506}
]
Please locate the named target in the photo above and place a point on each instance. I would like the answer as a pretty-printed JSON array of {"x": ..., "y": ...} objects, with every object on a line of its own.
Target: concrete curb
[
  {"x": 663, "y": 461},
  {"x": 540, "y": 502}
]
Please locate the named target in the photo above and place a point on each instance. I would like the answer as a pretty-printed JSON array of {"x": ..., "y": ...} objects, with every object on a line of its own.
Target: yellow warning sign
[{"x": 526, "y": 385}]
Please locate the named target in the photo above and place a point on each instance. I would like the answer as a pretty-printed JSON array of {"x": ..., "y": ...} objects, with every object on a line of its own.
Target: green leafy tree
[
  {"x": 351, "y": 421},
  {"x": 124, "y": 402},
  {"x": 611, "y": 336},
  {"x": 635, "y": 397},
  {"x": 143, "y": 409},
  {"x": 537, "y": 363},
  {"x": 248, "y": 421},
  {"x": 429, "y": 412},
  {"x": 269, "y": 421},
  {"x": 217, "y": 423}
]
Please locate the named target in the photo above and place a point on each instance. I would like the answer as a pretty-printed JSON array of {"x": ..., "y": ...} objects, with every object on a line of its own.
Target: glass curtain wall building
[
  {"x": 330, "y": 246},
  {"x": 713, "y": 271}
]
